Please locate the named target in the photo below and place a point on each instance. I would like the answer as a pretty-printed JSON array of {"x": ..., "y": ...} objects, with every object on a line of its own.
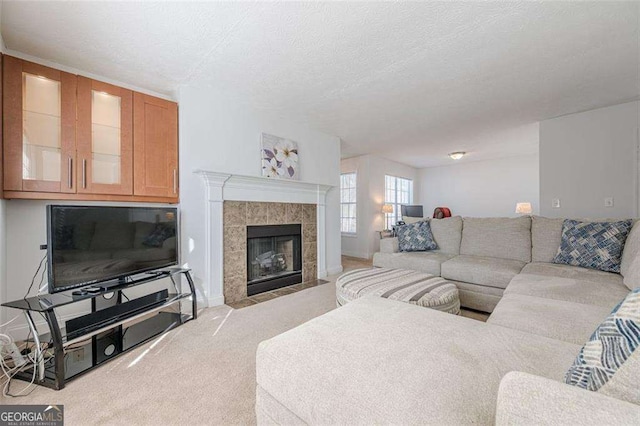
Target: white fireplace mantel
[{"x": 220, "y": 187}]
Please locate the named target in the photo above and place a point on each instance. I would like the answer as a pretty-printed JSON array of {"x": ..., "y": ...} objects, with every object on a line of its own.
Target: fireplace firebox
[{"x": 274, "y": 257}]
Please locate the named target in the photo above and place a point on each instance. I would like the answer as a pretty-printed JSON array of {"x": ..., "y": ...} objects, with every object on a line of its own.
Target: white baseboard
[
  {"x": 356, "y": 254},
  {"x": 215, "y": 301},
  {"x": 332, "y": 270}
]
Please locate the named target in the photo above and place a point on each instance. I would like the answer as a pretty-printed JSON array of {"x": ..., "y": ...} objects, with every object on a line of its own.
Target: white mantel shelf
[
  {"x": 220, "y": 187},
  {"x": 258, "y": 188}
]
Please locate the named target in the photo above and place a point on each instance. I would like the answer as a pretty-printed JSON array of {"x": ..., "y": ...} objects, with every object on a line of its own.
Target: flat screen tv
[
  {"x": 89, "y": 244},
  {"x": 411, "y": 211}
]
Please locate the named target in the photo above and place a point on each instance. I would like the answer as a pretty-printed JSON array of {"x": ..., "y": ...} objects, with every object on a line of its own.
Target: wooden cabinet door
[
  {"x": 105, "y": 140},
  {"x": 39, "y": 127},
  {"x": 155, "y": 147}
]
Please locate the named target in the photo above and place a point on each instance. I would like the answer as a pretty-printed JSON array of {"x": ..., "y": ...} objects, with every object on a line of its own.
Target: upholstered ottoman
[{"x": 403, "y": 285}]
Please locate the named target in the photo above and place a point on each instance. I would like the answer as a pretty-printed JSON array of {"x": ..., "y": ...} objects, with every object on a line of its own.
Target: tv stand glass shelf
[{"x": 117, "y": 322}]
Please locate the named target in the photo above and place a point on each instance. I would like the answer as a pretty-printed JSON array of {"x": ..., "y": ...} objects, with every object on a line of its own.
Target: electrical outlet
[
  {"x": 555, "y": 203},
  {"x": 78, "y": 355},
  {"x": 608, "y": 202}
]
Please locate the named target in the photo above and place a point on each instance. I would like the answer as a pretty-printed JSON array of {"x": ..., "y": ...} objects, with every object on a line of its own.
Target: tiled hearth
[
  {"x": 269, "y": 295},
  {"x": 237, "y": 215}
]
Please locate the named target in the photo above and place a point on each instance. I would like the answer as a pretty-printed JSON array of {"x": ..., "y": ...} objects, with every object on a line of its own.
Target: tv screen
[
  {"x": 88, "y": 245},
  {"x": 411, "y": 211}
]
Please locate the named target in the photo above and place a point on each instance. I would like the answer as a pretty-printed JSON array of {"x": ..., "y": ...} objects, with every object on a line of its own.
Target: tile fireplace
[
  {"x": 235, "y": 203},
  {"x": 267, "y": 246}
]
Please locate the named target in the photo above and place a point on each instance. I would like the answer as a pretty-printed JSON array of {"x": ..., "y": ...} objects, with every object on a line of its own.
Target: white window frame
[
  {"x": 398, "y": 191},
  {"x": 348, "y": 203}
]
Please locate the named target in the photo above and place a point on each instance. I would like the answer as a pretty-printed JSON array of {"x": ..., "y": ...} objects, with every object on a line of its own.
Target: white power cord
[
  {"x": 9, "y": 351},
  {"x": 36, "y": 359}
]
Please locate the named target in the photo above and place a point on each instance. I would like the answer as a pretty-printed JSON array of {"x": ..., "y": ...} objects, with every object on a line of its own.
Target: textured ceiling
[{"x": 407, "y": 81}]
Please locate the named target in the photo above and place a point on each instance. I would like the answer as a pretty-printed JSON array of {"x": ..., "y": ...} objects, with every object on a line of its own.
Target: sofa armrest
[
  {"x": 525, "y": 399},
  {"x": 389, "y": 245}
]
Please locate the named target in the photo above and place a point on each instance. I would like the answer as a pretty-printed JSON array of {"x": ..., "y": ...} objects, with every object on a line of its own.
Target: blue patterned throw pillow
[
  {"x": 415, "y": 237},
  {"x": 594, "y": 245},
  {"x": 613, "y": 342}
]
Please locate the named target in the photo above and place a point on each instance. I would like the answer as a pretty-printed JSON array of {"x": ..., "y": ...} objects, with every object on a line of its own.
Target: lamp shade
[
  {"x": 523, "y": 208},
  {"x": 387, "y": 208}
]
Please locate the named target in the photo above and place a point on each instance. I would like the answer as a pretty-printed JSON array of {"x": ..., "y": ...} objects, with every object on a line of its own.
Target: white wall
[
  {"x": 3, "y": 260},
  {"x": 3, "y": 228},
  {"x": 588, "y": 156},
  {"x": 371, "y": 171},
  {"x": 482, "y": 188},
  {"x": 218, "y": 135}
]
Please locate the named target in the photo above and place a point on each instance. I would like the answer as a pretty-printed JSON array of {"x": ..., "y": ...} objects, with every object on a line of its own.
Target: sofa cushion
[
  {"x": 613, "y": 342},
  {"x": 524, "y": 399},
  {"x": 505, "y": 238},
  {"x": 631, "y": 249},
  {"x": 624, "y": 384},
  {"x": 546, "y": 235},
  {"x": 415, "y": 237},
  {"x": 425, "y": 261},
  {"x": 478, "y": 297},
  {"x": 409, "y": 220},
  {"x": 632, "y": 277},
  {"x": 556, "y": 319},
  {"x": 568, "y": 271},
  {"x": 447, "y": 234},
  {"x": 605, "y": 294},
  {"x": 595, "y": 245},
  {"x": 489, "y": 271},
  {"x": 440, "y": 369}
]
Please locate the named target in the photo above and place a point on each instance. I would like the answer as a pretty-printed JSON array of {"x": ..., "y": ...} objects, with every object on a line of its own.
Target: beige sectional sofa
[
  {"x": 482, "y": 256},
  {"x": 378, "y": 361}
]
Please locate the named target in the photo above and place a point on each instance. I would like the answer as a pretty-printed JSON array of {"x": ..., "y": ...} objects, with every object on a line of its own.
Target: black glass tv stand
[{"x": 116, "y": 324}]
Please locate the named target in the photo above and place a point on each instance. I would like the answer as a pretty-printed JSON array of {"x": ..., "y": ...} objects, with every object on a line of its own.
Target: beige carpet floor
[{"x": 200, "y": 373}]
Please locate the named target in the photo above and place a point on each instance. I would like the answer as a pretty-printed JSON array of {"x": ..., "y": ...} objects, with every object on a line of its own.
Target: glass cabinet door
[
  {"x": 39, "y": 127},
  {"x": 104, "y": 138}
]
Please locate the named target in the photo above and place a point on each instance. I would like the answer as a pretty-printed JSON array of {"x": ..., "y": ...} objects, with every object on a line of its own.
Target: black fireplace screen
[{"x": 273, "y": 252}]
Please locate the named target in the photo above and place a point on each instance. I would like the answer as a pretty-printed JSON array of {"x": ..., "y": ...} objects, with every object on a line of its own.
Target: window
[
  {"x": 398, "y": 191},
  {"x": 348, "y": 203}
]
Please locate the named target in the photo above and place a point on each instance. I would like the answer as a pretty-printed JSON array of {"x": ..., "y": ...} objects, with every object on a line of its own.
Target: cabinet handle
[
  {"x": 175, "y": 181},
  {"x": 70, "y": 173},
  {"x": 84, "y": 173}
]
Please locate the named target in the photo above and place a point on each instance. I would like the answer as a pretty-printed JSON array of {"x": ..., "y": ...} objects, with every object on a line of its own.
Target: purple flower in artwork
[{"x": 268, "y": 154}]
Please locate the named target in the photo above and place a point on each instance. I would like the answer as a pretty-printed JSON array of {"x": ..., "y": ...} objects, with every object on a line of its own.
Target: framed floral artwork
[{"x": 279, "y": 157}]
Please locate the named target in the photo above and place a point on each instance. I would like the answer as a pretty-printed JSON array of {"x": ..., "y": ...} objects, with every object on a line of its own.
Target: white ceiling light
[{"x": 457, "y": 155}]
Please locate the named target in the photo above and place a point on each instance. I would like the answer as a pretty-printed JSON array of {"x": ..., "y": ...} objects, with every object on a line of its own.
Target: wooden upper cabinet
[
  {"x": 155, "y": 147},
  {"x": 39, "y": 118},
  {"x": 68, "y": 137},
  {"x": 104, "y": 138}
]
